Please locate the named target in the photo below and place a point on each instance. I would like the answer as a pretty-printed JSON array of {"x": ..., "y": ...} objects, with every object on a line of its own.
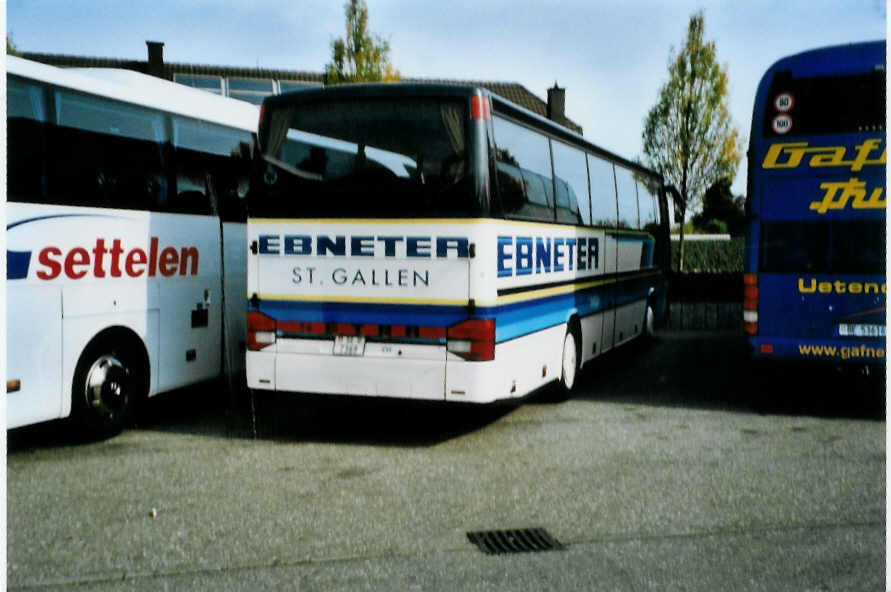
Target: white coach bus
[
  {"x": 125, "y": 239},
  {"x": 438, "y": 242}
]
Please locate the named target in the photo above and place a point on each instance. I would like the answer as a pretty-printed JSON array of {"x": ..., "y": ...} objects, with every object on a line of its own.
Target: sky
[{"x": 610, "y": 55}]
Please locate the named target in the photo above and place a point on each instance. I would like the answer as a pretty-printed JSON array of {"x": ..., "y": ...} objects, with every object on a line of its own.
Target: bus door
[
  {"x": 611, "y": 250},
  {"x": 212, "y": 165},
  {"x": 190, "y": 297}
]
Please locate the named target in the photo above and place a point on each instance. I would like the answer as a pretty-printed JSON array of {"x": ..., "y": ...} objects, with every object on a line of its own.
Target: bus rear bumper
[{"x": 346, "y": 375}]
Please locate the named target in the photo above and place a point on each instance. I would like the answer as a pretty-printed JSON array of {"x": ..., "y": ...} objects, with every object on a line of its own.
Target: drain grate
[{"x": 525, "y": 540}]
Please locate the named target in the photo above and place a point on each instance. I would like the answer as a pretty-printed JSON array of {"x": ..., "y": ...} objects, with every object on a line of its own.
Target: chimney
[
  {"x": 155, "y": 58},
  {"x": 557, "y": 104}
]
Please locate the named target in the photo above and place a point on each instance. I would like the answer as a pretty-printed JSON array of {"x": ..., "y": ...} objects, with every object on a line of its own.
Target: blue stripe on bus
[
  {"x": 17, "y": 264},
  {"x": 511, "y": 320}
]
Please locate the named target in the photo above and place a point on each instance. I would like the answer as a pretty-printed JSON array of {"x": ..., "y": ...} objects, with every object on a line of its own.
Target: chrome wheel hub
[{"x": 105, "y": 388}]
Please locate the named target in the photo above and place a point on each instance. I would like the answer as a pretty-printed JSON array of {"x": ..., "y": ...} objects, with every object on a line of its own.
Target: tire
[
  {"x": 107, "y": 383},
  {"x": 569, "y": 362}
]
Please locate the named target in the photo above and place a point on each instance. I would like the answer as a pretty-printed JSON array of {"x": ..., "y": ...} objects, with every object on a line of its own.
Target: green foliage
[
  {"x": 711, "y": 256},
  {"x": 11, "y": 48},
  {"x": 721, "y": 211},
  {"x": 688, "y": 135},
  {"x": 360, "y": 57}
]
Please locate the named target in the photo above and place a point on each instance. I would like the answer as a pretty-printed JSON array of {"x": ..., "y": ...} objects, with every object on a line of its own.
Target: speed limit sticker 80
[{"x": 784, "y": 102}]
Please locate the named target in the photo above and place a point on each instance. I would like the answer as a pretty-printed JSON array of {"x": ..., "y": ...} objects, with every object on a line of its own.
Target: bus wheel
[
  {"x": 569, "y": 366},
  {"x": 104, "y": 389}
]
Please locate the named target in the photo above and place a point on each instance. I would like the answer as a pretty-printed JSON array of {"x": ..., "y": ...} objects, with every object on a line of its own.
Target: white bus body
[
  {"x": 93, "y": 268},
  {"x": 474, "y": 307},
  {"x": 433, "y": 289}
]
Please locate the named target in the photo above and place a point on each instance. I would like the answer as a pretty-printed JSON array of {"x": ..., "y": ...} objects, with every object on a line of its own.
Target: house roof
[{"x": 512, "y": 91}]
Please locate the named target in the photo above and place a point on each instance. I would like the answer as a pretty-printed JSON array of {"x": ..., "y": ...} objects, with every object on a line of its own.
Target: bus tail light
[
  {"x": 750, "y": 303},
  {"x": 260, "y": 331},
  {"x": 480, "y": 108},
  {"x": 473, "y": 339}
]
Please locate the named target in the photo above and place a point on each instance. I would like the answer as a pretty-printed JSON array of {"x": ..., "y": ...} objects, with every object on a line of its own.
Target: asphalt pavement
[{"x": 664, "y": 472}]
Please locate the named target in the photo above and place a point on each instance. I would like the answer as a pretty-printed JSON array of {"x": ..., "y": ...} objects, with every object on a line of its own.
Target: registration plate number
[
  {"x": 349, "y": 345},
  {"x": 851, "y": 330}
]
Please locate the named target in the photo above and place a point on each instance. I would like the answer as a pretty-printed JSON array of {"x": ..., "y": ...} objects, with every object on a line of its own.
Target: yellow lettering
[
  {"x": 795, "y": 151},
  {"x": 876, "y": 200},
  {"x": 831, "y": 156},
  {"x": 811, "y": 285},
  {"x": 789, "y": 155},
  {"x": 849, "y": 188},
  {"x": 863, "y": 151}
]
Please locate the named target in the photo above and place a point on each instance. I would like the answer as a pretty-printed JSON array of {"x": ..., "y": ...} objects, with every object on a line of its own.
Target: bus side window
[
  {"x": 571, "y": 175},
  {"x": 523, "y": 158},
  {"x": 648, "y": 205},
  {"x": 106, "y": 153},
  {"x": 26, "y": 130},
  {"x": 208, "y": 153},
  {"x": 510, "y": 182},
  {"x": 603, "y": 192},
  {"x": 628, "y": 212}
]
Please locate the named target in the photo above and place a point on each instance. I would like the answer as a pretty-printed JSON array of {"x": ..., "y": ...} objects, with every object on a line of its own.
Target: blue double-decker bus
[{"x": 815, "y": 250}]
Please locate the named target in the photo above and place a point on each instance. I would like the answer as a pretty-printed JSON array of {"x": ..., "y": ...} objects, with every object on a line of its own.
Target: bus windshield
[
  {"x": 392, "y": 158},
  {"x": 856, "y": 104}
]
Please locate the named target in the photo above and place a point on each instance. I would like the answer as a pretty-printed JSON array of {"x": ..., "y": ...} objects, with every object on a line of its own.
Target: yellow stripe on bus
[
  {"x": 557, "y": 290},
  {"x": 364, "y": 299}
]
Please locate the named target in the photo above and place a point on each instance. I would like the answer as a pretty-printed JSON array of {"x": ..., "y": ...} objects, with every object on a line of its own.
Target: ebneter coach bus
[
  {"x": 125, "y": 233},
  {"x": 438, "y": 242},
  {"x": 815, "y": 254}
]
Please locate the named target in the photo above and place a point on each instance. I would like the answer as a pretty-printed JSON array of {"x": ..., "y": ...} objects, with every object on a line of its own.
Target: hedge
[{"x": 710, "y": 256}]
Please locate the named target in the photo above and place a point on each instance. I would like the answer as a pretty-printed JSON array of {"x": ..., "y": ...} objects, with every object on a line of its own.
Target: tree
[
  {"x": 11, "y": 48},
  {"x": 721, "y": 211},
  {"x": 688, "y": 135},
  {"x": 360, "y": 57}
]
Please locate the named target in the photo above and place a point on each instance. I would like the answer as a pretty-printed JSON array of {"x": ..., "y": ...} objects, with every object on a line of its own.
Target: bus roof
[
  {"x": 836, "y": 60},
  {"x": 440, "y": 90},
  {"x": 141, "y": 89},
  {"x": 853, "y": 58}
]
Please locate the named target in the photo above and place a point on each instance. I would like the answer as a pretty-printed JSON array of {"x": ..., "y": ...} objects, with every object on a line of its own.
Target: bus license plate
[
  {"x": 349, "y": 345},
  {"x": 850, "y": 330}
]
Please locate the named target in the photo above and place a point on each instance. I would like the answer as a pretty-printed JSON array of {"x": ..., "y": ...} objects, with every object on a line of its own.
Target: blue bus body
[{"x": 815, "y": 251}]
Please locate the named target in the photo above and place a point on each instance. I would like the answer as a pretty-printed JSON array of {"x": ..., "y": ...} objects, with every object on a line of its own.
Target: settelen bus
[
  {"x": 125, "y": 233},
  {"x": 815, "y": 256},
  {"x": 438, "y": 242}
]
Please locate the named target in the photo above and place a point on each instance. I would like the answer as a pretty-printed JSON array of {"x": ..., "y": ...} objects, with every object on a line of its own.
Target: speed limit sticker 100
[{"x": 781, "y": 124}]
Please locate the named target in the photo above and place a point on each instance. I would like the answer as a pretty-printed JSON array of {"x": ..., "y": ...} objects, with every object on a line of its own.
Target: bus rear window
[
  {"x": 825, "y": 105},
  {"x": 836, "y": 247},
  {"x": 373, "y": 158}
]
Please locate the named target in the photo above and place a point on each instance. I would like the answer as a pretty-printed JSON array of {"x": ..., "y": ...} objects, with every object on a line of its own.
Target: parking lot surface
[{"x": 670, "y": 469}]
